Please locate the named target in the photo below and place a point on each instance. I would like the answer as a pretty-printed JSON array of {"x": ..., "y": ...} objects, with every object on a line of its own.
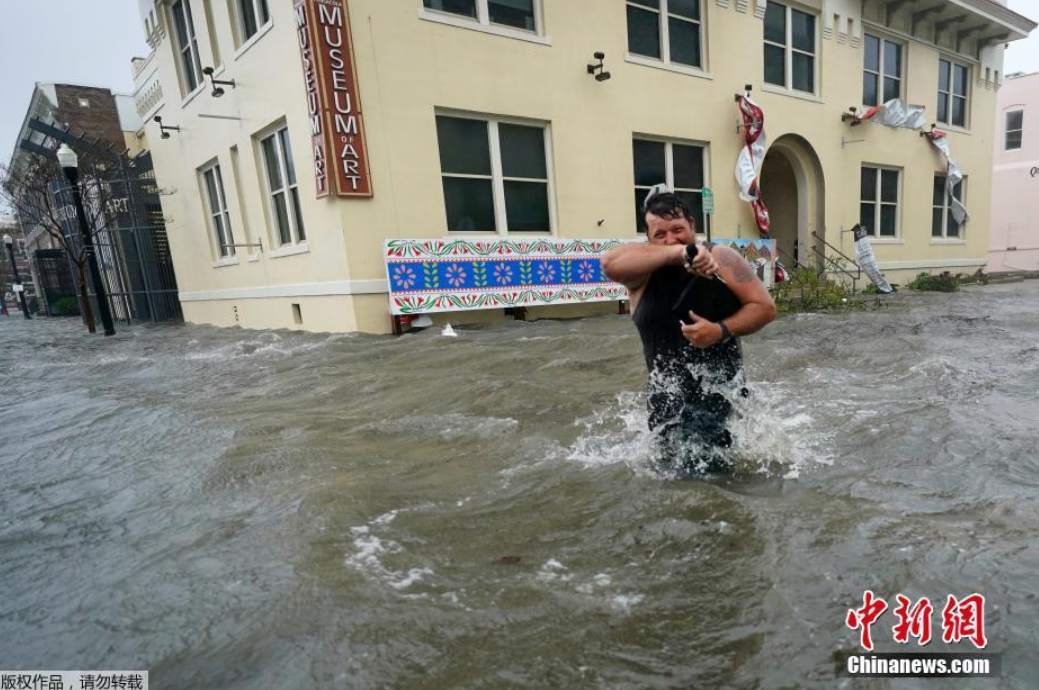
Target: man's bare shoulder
[{"x": 732, "y": 265}]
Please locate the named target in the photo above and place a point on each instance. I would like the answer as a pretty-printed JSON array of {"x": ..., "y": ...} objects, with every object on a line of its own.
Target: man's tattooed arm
[{"x": 739, "y": 269}]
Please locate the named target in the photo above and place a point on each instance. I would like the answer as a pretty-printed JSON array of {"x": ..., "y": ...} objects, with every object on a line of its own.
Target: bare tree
[{"x": 38, "y": 192}]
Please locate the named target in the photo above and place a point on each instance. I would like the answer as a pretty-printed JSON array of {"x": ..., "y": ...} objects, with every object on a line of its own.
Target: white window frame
[
  {"x": 878, "y": 203},
  {"x": 663, "y": 15},
  {"x": 945, "y": 208},
  {"x": 286, "y": 189},
  {"x": 191, "y": 48},
  {"x": 669, "y": 166},
  {"x": 789, "y": 50},
  {"x": 1007, "y": 131},
  {"x": 951, "y": 94},
  {"x": 904, "y": 51},
  {"x": 483, "y": 21},
  {"x": 498, "y": 180},
  {"x": 241, "y": 39},
  {"x": 218, "y": 213}
]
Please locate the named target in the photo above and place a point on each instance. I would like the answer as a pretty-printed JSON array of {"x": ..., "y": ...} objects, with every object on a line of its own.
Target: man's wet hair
[{"x": 668, "y": 205}]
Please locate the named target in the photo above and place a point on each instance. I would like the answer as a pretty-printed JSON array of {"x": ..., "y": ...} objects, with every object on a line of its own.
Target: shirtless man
[{"x": 689, "y": 312}]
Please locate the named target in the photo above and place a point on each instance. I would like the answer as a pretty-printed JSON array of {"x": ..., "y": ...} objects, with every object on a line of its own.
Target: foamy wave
[
  {"x": 598, "y": 587},
  {"x": 625, "y": 602},
  {"x": 370, "y": 551},
  {"x": 618, "y": 434},
  {"x": 414, "y": 575},
  {"x": 598, "y": 581},
  {"x": 270, "y": 344},
  {"x": 773, "y": 433},
  {"x": 552, "y": 571}
]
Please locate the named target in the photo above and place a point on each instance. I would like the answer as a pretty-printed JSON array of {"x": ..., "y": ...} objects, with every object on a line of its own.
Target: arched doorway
[{"x": 793, "y": 189}]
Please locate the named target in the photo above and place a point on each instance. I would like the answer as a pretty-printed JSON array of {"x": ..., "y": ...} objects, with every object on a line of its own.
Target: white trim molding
[
  {"x": 289, "y": 249},
  {"x": 669, "y": 66},
  {"x": 931, "y": 263},
  {"x": 226, "y": 261},
  {"x": 332, "y": 288},
  {"x": 252, "y": 40},
  {"x": 475, "y": 25}
]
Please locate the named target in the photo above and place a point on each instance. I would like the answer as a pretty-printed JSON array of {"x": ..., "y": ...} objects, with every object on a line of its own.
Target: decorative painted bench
[{"x": 431, "y": 276}]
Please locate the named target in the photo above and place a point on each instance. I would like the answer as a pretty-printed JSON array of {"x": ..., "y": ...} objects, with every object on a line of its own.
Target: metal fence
[
  {"x": 132, "y": 249},
  {"x": 57, "y": 286}
]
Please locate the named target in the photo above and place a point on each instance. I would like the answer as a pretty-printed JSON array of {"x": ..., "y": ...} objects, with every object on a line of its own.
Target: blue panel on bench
[{"x": 427, "y": 276}]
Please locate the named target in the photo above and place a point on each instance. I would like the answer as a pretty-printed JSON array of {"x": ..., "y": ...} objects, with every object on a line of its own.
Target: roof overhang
[
  {"x": 993, "y": 19},
  {"x": 977, "y": 23},
  {"x": 41, "y": 103}
]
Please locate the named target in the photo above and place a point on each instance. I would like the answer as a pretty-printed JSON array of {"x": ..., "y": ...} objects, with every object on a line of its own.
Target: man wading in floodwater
[{"x": 690, "y": 301}]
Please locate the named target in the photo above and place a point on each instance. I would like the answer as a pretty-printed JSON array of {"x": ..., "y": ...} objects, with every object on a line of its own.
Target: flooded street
[{"x": 240, "y": 509}]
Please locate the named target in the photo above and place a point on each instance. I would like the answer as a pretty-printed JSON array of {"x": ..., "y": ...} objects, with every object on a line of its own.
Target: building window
[
  {"x": 952, "y": 93},
  {"x": 253, "y": 15},
  {"x": 282, "y": 188},
  {"x": 681, "y": 166},
  {"x": 214, "y": 44},
  {"x": 1014, "y": 129},
  {"x": 517, "y": 14},
  {"x": 942, "y": 222},
  {"x": 882, "y": 71},
  {"x": 789, "y": 48},
  {"x": 667, "y": 30},
  {"x": 878, "y": 211},
  {"x": 495, "y": 175},
  {"x": 189, "y": 67},
  {"x": 220, "y": 218}
]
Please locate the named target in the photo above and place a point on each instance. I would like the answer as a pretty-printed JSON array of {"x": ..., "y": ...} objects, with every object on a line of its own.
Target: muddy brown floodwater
[{"x": 234, "y": 509}]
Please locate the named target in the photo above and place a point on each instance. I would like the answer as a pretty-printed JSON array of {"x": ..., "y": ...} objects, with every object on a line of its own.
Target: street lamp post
[
  {"x": 69, "y": 162},
  {"x": 20, "y": 289}
]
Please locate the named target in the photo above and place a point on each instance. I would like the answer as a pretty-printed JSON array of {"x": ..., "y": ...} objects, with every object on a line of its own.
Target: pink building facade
[{"x": 1014, "y": 234}]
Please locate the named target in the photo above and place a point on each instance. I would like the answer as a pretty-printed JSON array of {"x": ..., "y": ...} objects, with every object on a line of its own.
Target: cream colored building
[{"x": 481, "y": 114}]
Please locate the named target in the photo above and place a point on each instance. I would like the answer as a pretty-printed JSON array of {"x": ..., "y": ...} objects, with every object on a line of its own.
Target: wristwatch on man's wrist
[{"x": 726, "y": 333}]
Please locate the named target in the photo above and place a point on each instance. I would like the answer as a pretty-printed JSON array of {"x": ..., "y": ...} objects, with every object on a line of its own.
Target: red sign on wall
[{"x": 333, "y": 102}]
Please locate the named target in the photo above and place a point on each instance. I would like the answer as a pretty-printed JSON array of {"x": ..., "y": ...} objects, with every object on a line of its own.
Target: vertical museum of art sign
[{"x": 333, "y": 103}]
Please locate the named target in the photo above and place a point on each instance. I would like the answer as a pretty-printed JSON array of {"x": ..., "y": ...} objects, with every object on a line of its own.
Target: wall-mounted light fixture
[
  {"x": 165, "y": 129},
  {"x": 740, "y": 123},
  {"x": 217, "y": 91},
  {"x": 597, "y": 68},
  {"x": 852, "y": 116}
]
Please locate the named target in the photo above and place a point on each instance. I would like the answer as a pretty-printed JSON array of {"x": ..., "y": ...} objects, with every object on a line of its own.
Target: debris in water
[
  {"x": 507, "y": 560},
  {"x": 422, "y": 322}
]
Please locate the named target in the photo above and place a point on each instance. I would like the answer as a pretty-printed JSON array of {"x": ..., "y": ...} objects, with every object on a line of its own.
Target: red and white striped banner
[
  {"x": 752, "y": 155},
  {"x": 895, "y": 113}
]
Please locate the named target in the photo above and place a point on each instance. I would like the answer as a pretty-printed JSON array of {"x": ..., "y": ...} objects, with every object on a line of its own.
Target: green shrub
[
  {"x": 979, "y": 276},
  {"x": 806, "y": 290},
  {"x": 65, "y": 306},
  {"x": 943, "y": 282},
  {"x": 871, "y": 289}
]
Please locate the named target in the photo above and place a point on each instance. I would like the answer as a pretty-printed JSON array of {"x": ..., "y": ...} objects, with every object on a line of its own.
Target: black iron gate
[
  {"x": 125, "y": 221},
  {"x": 132, "y": 249},
  {"x": 57, "y": 286}
]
